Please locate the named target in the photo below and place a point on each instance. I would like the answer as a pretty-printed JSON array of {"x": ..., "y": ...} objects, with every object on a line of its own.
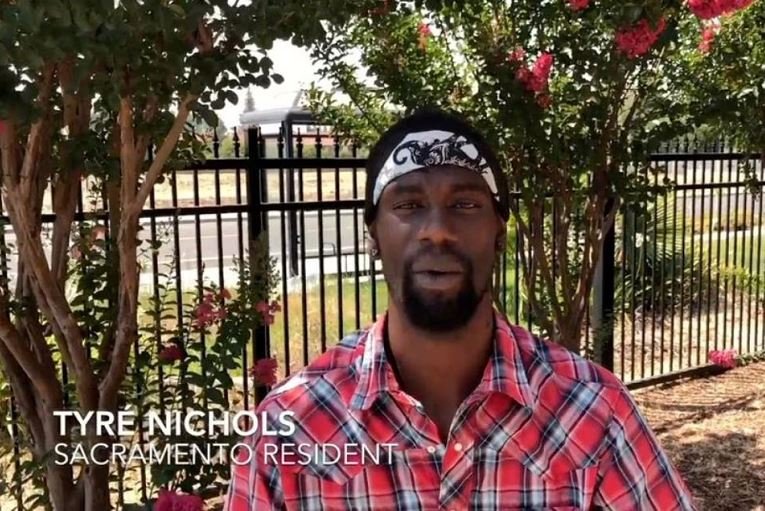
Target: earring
[{"x": 374, "y": 252}]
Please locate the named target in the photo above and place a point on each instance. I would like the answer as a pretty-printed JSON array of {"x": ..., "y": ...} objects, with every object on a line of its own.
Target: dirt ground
[{"x": 714, "y": 431}]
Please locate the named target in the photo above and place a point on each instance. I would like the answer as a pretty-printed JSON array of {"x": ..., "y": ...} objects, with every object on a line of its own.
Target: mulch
[{"x": 713, "y": 429}]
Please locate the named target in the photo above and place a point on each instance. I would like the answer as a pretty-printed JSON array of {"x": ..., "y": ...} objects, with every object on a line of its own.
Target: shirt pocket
[
  {"x": 502, "y": 481},
  {"x": 408, "y": 483}
]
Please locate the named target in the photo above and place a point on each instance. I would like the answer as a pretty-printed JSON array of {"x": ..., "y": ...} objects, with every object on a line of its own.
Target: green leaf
[{"x": 210, "y": 117}]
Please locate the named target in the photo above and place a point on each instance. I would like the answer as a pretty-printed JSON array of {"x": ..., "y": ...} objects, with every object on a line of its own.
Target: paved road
[{"x": 222, "y": 246}]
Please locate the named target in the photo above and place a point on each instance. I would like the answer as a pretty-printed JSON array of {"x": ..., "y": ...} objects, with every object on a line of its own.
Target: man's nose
[{"x": 437, "y": 227}]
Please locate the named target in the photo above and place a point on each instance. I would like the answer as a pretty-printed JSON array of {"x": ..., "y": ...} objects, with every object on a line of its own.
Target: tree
[
  {"x": 574, "y": 95},
  {"x": 86, "y": 88},
  {"x": 729, "y": 66}
]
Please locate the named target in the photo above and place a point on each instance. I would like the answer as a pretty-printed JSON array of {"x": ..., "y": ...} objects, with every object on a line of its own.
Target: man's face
[{"x": 437, "y": 232}]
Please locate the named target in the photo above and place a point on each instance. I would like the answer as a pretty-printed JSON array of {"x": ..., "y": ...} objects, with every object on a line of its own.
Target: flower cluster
[
  {"x": 723, "y": 358},
  {"x": 171, "y": 501},
  {"x": 170, "y": 353},
  {"x": 536, "y": 79},
  {"x": 708, "y": 34},
  {"x": 211, "y": 309},
  {"x": 423, "y": 35},
  {"x": 268, "y": 311},
  {"x": 638, "y": 39},
  {"x": 578, "y": 5},
  {"x": 264, "y": 371},
  {"x": 707, "y": 9}
]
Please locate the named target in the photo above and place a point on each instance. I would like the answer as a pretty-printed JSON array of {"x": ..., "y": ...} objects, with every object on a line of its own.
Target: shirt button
[
  {"x": 431, "y": 449},
  {"x": 458, "y": 447}
]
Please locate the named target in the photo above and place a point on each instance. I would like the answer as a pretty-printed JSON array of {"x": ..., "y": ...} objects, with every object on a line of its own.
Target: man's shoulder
[
  {"x": 546, "y": 356},
  {"x": 331, "y": 375}
]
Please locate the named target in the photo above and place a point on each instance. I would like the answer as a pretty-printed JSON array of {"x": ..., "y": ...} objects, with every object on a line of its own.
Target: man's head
[{"x": 436, "y": 207}]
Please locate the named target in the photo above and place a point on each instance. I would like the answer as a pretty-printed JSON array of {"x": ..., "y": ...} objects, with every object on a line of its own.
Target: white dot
[
  {"x": 431, "y": 449},
  {"x": 458, "y": 447}
]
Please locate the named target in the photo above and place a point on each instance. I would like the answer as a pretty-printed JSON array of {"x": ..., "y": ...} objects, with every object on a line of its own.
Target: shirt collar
[{"x": 505, "y": 372}]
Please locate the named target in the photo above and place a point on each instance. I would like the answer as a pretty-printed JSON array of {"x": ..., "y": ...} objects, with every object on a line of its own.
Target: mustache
[{"x": 440, "y": 255}]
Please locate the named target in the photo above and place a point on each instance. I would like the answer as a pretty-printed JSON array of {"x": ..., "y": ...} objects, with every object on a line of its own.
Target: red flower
[
  {"x": 264, "y": 371},
  {"x": 639, "y": 38},
  {"x": 424, "y": 35},
  {"x": 224, "y": 294},
  {"x": 517, "y": 55},
  {"x": 536, "y": 79},
  {"x": 267, "y": 311},
  {"x": 544, "y": 100},
  {"x": 382, "y": 10},
  {"x": 723, "y": 358},
  {"x": 171, "y": 501},
  {"x": 170, "y": 353},
  {"x": 707, "y": 9},
  {"x": 578, "y": 5},
  {"x": 204, "y": 315},
  {"x": 708, "y": 35}
]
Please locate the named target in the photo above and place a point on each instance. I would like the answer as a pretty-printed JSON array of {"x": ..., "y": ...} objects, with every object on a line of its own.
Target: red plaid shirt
[{"x": 545, "y": 429}]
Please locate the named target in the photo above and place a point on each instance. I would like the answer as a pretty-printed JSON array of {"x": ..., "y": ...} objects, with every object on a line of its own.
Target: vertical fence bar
[
  {"x": 320, "y": 220},
  {"x": 339, "y": 246},
  {"x": 356, "y": 284},
  {"x": 256, "y": 226},
  {"x": 727, "y": 258},
  {"x": 302, "y": 240},
  {"x": 284, "y": 272},
  {"x": 734, "y": 269},
  {"x": 758, "y": 301}
]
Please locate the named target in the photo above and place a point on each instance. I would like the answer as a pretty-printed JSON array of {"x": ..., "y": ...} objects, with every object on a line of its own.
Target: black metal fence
[{"x": 682, "y": 276}]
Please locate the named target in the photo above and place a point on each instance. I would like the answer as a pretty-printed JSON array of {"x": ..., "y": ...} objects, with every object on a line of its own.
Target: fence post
[
  {"x": 602, "y": 314},
  {"x": 257, "y": 224},
  {"x": 294, "y": 255}
]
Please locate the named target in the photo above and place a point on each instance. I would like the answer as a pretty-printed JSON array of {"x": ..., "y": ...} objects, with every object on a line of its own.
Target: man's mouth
[{"x": 438, "y": 279}]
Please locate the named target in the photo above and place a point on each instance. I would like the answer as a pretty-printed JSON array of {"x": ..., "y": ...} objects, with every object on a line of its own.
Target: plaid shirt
[{"x": 545, "y": 429}]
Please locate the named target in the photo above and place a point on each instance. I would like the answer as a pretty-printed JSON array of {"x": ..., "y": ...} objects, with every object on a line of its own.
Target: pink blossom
[
  {"x": 267, "y": 311},
  {"x": 578, "y": 5},
  {"x": 424, "y": 35},
  {"x": 544, "y": 100},
  {"x": 708, "y": 9},
  {"x": 262, "y": 307},
  {"x": 75, "y": 253},
  {"x": 517, "y": 55},
  {"x": 264, "y": 371},
  {"x": 708, "y": 35},
  {"x": 172, "y": 501},
  {"x": 536, "y": 79},
  {"x": 638, "y": 39},
  {"x": 204, "y": 315},
  {"x": 170, "y": 353},
  {"x": 723, "y": 358}
]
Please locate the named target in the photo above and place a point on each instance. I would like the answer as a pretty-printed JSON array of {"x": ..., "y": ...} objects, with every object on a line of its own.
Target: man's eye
[
  {"x": 466, "y": 204},
  {"x": 406, "y": 205}
]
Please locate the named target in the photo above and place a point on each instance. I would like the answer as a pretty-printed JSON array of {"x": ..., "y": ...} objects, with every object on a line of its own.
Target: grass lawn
[{"x": 295, "y": 341}]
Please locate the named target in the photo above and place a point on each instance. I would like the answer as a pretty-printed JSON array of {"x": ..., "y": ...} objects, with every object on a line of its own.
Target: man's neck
[{"x": 441, "y": 369}]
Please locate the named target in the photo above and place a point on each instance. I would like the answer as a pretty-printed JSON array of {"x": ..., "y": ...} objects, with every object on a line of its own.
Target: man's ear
[{"x": 372, "y": 247}]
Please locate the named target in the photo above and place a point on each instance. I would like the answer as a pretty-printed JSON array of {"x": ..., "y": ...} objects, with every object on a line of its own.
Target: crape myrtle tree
[
  {"x": 86, "y": 88},
  {"x": 574, "y": 94},
  {"x": 730, "y": 74}
]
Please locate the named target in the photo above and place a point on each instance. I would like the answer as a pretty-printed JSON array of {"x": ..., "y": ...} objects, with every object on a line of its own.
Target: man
[{"x": 481, "y": 414}]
